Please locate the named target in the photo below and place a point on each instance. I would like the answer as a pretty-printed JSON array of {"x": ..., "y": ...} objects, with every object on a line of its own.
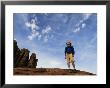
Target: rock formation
[
  {"x": 16, "y": 53},
  {"x": 32, "y": 61},
  {"x": 22, "y": 59}
]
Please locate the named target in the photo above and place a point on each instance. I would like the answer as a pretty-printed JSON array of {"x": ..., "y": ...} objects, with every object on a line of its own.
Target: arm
[
  {"x": 65, "y": 50},
  {"x": 73, "y": 52}
]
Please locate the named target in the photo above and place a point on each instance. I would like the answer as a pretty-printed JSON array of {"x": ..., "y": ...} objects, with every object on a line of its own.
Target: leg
[
  {"x": 68, "y": 65},
  {"x": 68, "y": 62},
  {"x": 73, "y": 64},
  {"x": 72, "y": 61}
]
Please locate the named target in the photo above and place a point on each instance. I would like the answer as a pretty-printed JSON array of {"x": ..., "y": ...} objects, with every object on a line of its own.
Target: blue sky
[{"x": 46, "y": 34}]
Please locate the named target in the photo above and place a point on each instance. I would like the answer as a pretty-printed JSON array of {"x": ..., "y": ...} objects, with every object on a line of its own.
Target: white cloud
[
  {"x": 28, "y": 24},
  {"x": 33, "y": 35},
  {"x": 76, "y": 30},
  {"x": 86, "y": 16},
  {"x": 83, "y": 25},
  {"x": 33, "y": 26},
  {"x": 45, "y": 38},
  {"x": 30, "y": 37},
  {"x": 36, "y": 20},
  {"x": 46, "y": 30},
  {"x": 82, "y": 22},
  {"x": 39, "y": 37}
]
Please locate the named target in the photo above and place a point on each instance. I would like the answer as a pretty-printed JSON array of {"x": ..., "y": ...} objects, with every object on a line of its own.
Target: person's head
[{"x": 68, "y": 43}]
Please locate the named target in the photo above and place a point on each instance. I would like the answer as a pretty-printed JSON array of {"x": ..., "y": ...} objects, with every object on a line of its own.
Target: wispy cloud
[
  {"x": 33, "y": 35},
  {"x": 39, "y": 37},
  {"x": 76, "y": 30},
  {"x": 81, "y": 24},
  {"x": 86, "y": 16},
  {"x": 46, "y": 38},
  {"x": 33, "y": 26},
  {"x": 45, "y": 33},
  {"x": 46, "y": 30}
]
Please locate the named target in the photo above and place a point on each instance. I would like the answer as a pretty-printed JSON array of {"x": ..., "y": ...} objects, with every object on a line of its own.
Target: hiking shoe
[
  {"x": 74, "y": 70},
  {"x": 70, "y": 71}
]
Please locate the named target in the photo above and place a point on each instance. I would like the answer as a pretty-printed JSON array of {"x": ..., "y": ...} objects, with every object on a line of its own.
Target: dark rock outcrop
[
  {"x": 32, "y": 61},
  {"x": 22, "y": 59},
  {"x": 16, "y": 53}
]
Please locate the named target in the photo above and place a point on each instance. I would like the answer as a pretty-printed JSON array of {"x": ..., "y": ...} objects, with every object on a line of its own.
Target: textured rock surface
[
  {"x": 16, "y": 53},
  {"x": 22, "y": 59},
  {"x": 48, "y": 71},
  {"x": 32, "y": 61}
]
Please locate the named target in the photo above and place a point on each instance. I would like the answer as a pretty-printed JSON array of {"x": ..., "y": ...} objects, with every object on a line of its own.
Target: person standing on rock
[{"x": 69, "y": 54}]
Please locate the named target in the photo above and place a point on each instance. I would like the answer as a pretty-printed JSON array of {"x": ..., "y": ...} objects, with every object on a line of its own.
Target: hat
[{"x": 68, "y": 42}]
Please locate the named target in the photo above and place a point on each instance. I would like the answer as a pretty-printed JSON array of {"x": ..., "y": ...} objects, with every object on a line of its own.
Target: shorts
[{"x": 69, "y": 58}]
